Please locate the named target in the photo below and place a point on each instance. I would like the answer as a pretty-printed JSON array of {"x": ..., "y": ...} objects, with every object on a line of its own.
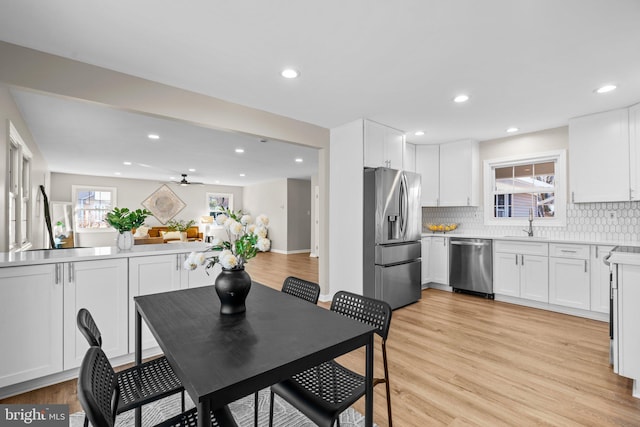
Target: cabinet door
[
  {"x": 428, "y": 166},
  {"x": 634, "y": 149},
  {"x": 409, "y": 157},
  {"x": 394, "y": 148},
  {"x": 151, "y": 275},
  {"x": 426, "y": 255},
  {"x": 534, "y": 277},
  {"x": 628, "y": 321},
  {"x": 374, "y": 141},
  {"x": 506, "y": 274},
  {"x": 599, "y": 279},
  {"x": 599, "y": 157},
  {"x": 198, "y": 277},
  {"x": 459, "y": 177},
  {"x": 100, "y": 287},
  {"x": 569, "y": 282},
  {"x": 439, "y": 260},
  {"x": 31, "y": 319}
]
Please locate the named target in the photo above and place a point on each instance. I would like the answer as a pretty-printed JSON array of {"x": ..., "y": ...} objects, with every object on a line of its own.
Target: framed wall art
[
  {"x": 216, "y": 202},
  {"x": 164, "y": 204}
]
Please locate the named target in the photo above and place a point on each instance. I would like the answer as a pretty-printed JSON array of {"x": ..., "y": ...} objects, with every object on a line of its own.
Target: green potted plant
[
  {"x": 182, "y": 226},
  {"x": 124, "y": 220}
]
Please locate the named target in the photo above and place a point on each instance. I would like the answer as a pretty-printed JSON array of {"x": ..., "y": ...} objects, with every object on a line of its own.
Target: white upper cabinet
[
  {"x": 459, "y": 173},
  {"x": 634, "y": 149},
  {"x": 599, "y": 154},
  {"x": 428, "y": 166},
  {"x": 409, "y": 157},
  {"x": 450, "y": 173},
  {"x": 383, "y": 146}
]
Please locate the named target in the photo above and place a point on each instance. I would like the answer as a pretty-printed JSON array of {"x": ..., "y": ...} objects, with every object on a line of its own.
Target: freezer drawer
[
  {"x": 393, "y": 254},
  {"x": 398, "y": 284}
]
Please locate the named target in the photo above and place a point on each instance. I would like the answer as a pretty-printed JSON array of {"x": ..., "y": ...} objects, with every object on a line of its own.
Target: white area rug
[{"x": 284, "y": 415}]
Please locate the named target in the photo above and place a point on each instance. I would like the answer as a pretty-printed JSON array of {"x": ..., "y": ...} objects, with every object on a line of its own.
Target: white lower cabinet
[
  {"x": 439, "y": 260},
  {"x": 426, "y": 256},
  {"x": 569, "y": 283},
  {"x": 151, "y": 275},
  {"x": 100, "y": 287},
  {"x": 599, "y": 279},
  {"x": 31, "y": 319},
  {"x": 198, "y": 277},
  {"x": 520, "y": 269}
]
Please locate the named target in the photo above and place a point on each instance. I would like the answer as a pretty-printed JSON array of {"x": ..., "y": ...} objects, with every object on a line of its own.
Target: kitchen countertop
[
  {"x": 50, "y": 256},
  {"x": 525, "y": 238}
]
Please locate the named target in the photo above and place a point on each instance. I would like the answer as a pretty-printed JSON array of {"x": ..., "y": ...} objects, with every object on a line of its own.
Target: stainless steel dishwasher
[{"x": 471, "y": 266}]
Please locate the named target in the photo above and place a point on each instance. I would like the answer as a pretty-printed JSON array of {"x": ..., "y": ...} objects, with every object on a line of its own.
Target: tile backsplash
[{"x": 585, "y": 221}]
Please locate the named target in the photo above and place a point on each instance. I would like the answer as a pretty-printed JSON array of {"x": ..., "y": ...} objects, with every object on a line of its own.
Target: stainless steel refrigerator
[{"x": 392, "y": 233}]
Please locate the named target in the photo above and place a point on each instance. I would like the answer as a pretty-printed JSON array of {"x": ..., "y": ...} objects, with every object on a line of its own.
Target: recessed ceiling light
[
  {"x": 461, "y": 98},
  {"x": 242, "y": 174},
  {"x": 239, "y": 150},
  {"x": 116, "y": 173},
  {"x": 153, "y": 136},
  {"x": 419, "y": 133},
  {"x": 512, "y": 129},
  {"x": 144, "y": 165},
  {"x": 290, "y": 73},
  {"x": 606, "y": 88},
  {"x": 192, "y": 170},
  {"x": 172, "y": 178},
  {"x": 298, "y": 160},
  {"x": 126, "y": 163}
]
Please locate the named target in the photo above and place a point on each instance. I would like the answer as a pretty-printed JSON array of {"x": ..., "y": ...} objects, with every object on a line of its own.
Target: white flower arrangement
[{"x": 245, "y": 240}]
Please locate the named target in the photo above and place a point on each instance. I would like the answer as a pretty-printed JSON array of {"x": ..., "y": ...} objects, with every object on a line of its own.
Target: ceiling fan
[{"x": 184, "y": 182}]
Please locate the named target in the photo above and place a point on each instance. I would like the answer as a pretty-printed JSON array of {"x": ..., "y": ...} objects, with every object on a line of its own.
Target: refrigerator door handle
[{"x": 404, "y": 202}]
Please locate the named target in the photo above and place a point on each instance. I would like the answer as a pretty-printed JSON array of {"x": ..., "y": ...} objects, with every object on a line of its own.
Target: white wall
[
  {"x": 345, "y": 212},
  {"x": 270, "y": 198},
  {"x": 39, "y": 174},
  {"x": 131, "y": 193}
]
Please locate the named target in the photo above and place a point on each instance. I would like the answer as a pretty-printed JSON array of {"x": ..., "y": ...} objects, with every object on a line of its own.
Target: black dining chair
[
  {"x": 101, "y": 397},
  {"x": 323, "y": 392},
  {"x": 303, "y": 289},
  {"x": 140, "y": 384}
]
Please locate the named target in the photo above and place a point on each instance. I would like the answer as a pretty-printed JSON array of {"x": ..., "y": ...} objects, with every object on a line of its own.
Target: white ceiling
[{"x": 526, "y": 63}]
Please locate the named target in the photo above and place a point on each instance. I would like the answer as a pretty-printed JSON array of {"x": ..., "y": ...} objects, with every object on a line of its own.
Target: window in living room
[
  {"x": 91, "y": 204},
  {"x": 18, "y": 194}
]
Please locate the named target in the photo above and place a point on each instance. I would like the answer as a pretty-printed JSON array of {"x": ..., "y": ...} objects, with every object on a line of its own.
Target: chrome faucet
[{"x": 530, "y": 230}]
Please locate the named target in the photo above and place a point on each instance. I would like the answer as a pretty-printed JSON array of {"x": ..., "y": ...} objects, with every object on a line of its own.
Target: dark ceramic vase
[{"x": 232, "y": 287}]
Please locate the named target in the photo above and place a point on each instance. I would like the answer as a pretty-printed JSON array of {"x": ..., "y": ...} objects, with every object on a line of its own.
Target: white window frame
[
  {"x": 560, "y": 216},
  {"x": 18, "y": 192},
  {"x": 74, "y": 198}
]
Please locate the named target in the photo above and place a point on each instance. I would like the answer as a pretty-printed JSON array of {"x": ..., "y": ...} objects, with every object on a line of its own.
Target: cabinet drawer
[
  {"x": 569, "y": 250},
  {"x": 521, "y": 247}
]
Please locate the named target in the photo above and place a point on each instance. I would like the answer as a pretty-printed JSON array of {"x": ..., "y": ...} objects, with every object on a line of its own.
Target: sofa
[{"x": 161, "y": 234}]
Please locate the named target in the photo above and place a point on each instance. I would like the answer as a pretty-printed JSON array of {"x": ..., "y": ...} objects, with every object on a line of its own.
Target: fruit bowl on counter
[{"x": 441, "y": 228}]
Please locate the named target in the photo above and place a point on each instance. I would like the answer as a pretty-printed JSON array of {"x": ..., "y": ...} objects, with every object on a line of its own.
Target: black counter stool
[{"x": 322, "y": 393}]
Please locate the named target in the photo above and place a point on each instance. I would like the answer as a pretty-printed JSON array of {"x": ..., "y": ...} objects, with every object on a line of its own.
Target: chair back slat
[
  {"x": 304, "y": 289},
  {"x": 371, "y": 311},
  {"x": 88, "y": 328},
  {"x": 97, "y": 388}
]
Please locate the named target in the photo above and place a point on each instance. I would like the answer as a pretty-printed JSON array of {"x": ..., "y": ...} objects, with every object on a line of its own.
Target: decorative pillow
[
  {"x": 142, "y": 231},
  {"x": 170, "y": 235}
]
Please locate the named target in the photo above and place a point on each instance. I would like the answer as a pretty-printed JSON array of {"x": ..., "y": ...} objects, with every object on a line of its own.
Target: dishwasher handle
[{"x": 465, "y": 243}]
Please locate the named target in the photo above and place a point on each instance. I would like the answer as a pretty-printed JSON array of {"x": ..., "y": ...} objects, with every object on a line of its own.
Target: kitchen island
[{"x": 41, "y": 291}]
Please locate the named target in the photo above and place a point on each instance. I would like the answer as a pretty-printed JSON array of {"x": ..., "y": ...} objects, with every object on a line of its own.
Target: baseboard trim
[{"x": 299, "y": 251}]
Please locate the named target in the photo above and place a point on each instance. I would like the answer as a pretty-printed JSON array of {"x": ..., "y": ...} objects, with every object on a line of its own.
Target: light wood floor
[{"x": 460, "y": 360}]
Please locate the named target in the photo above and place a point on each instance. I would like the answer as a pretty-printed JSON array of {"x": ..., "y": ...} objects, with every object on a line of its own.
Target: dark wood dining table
[{"x": 221, "y": 358}]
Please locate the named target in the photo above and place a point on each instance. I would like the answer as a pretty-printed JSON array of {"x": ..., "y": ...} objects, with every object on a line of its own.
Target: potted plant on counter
[
  {"x": 124, "y": 220},
  {"x": 181, "y": 226}
]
